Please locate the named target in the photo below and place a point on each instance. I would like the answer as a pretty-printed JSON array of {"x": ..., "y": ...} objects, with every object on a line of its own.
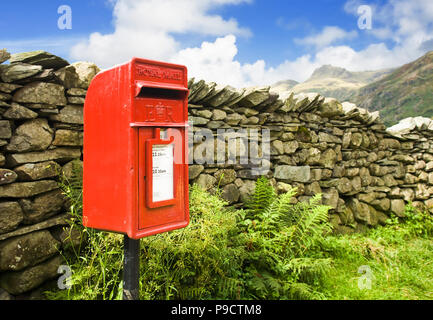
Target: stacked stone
[
  {"x": 318, "y": 145},
  {"x": 41, "y": 138},
  {"x": 415, "y": 136}
]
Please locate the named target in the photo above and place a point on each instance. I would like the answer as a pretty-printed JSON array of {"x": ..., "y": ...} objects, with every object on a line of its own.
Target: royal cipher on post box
[{"x": 135, "y": 175}]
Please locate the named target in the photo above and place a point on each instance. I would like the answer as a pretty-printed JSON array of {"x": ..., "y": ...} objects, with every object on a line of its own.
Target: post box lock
[{"x": 135, "y": 174}]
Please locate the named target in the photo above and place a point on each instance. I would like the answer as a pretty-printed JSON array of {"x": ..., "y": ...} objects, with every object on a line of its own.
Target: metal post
[{"x": 131, "y": 268}]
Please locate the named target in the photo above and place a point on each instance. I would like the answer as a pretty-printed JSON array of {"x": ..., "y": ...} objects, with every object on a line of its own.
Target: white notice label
[{"x": 162, "y": 158}]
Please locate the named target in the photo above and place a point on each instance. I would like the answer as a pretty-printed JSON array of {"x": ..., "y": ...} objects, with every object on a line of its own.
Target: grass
[
  {"x": 397, "y": 258},
  {"x": 271, "y": 250}
]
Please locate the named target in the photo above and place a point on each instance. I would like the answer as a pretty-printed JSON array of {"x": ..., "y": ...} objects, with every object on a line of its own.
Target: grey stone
[
  {"x": 422, "y": 192},
  {"x": 73, "y": 170},
  {"x": 58, "y": 220},
  {"x": 313, "y": 189},
  {"x": 398, "y": 207},
  {"x": 4, "y": 55},
  {"x": 389, "y": 181},
  {"x": 218, "y": 115},
  {"x": 195, "y": 170},
  {"x": 356, "y": 139},
  {"x": 38, "y": 171},
  {"x": 347, "y": 137},
  {"x": 387, "y": 144},
  {"x": 86, "y": 72},
  {"x": 68, "y": 138},
  {"x": 26, "y": 189},
  {"x": 367, "y": 197},
  {"x": 290, "y": 147},
  {"x": 7, "y": 176},
  {"x": 69, "y": 77},
  {"x": 41, "y": 58},
  {"x": 277, "y": 147},
  {"x": 255, "y": 96},
  {"x": 33, "y": 135},
  {"x": 204, "y": 114},
  {"x": 233, "y": 119},
  {"x": 18, "y": 112},
  {"x": 225, "y": 176},
  {"x": 41, "y": 93},
  {"x": 344, "y": 186},
  {"x": 361, "y": 211},
  {"x": 5, "y": 129},
  {"x": 292, "y": 173},
  {"x": 330, "y": 198},
  {"x": 5, "y": 296},
  {"x": 76, "y": 100},
  {"x": 225, "y": 95},
  {"x": 246, "y": 190},
  {"x": 69, "y": 114},
  {"x": 404, "y": 158},
  {"x": 328, "y": 138},
  {"x": 76, "y": 92},
  {"x": 5, "y": 97},
  {"x": 283, "y": 187},
  {"x": 206, "y": 181},
  {"x": 30, "y": 278},
  {"x": 59, "y": 154},
  {"x": 328, "y": 159},
  {"x": 356, "y": 184},
  {"x": 17, "y": 72},
  {"x": 198, "y": 121},
  {"x": 346, "y": 216},
  {"x": 9, "y": 87},
  {"x": 42, "y": 206},
  {"x": 331, "y": 108},
  {"x": 383, "y": 204},
  {"x": 27, "y": 250},
  {"x": 215, "y": 124},
  {"x": 11, "y": 216},
  {"x": 230, "y": 193}
]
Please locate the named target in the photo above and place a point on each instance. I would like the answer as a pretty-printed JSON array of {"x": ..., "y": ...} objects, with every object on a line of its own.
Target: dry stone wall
[
  {"x": 364, "y": 171},
  {"x": 318, "y": 145},
  {"x": 41, "y": 139}
]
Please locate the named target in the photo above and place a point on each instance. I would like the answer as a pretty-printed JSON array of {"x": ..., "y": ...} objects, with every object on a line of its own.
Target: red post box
[{"x": 135, "y": 175}]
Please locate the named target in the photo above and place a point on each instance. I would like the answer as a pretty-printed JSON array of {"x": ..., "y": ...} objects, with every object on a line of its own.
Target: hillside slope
[
  {"x": 334, "y": 82},
  {"x": 406, "y": 92}
]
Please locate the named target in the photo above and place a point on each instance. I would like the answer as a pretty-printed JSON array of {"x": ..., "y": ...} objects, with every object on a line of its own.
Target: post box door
[{"x": 162, "y": 176}]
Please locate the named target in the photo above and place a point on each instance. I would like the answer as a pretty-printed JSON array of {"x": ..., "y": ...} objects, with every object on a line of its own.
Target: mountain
[
  {"x": 406, "y": 92},
  {"x": 284, "y": 85},
  {"x": 337, "y": 82}
]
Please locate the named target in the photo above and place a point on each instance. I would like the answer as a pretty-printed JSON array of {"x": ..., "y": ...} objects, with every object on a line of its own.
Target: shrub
[{"x": 267, "y": 251}]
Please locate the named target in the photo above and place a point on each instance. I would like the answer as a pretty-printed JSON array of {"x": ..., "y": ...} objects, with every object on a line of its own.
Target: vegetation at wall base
[{"x": 272, "y": 249}]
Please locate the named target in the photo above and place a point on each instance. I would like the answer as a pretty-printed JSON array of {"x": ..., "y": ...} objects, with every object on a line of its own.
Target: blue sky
[{"x": 237, "y": 42}]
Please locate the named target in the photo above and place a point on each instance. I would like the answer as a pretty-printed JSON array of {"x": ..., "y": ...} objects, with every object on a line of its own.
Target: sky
[{"x": 235, "y": 42}]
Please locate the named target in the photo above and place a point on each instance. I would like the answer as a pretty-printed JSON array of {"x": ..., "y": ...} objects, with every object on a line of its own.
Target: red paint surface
[{"x": 125, "y": 106}]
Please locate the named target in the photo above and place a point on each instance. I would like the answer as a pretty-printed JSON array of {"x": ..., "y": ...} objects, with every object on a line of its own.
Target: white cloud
[
  {"x": 149, "y": 28},
  {"x": 328, "y": 36}
]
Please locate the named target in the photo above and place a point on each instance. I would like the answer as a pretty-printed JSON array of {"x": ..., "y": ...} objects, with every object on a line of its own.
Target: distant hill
[
  {"x": 338, "y": 82},
  {"x": 333, "y": 82},
  {"x": 284, "y": 85},
  {"x": 406, "y": 92}
]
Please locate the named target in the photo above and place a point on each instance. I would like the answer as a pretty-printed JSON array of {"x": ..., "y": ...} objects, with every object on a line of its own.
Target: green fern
[
  {"x": 280, "y": 238},
  {"x": 264, "y": 194}
]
